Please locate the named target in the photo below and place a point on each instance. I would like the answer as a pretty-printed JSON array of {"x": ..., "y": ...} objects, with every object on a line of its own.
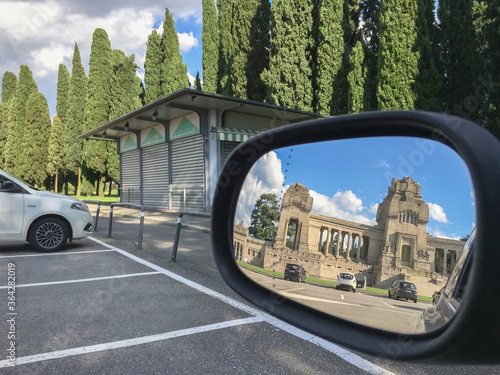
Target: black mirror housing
[{"x": 472, "y": 335}]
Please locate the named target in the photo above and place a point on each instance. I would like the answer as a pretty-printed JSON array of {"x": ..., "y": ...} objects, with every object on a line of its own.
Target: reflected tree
[{"x": 265, "y": 217}]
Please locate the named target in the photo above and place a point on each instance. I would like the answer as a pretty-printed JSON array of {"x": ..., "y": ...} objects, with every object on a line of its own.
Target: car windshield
[
  {"x": 408, "y": 286},
  {"x": 346, "y": 276},
  {"x": 293, "y": 267}
]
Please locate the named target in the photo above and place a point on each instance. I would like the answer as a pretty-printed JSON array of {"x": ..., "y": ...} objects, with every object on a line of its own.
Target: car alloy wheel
[{"x": 49, "y": 234}]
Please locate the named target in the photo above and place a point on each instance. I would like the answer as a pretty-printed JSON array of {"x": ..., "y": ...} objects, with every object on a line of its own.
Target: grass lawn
[
  {"x": 321, "y": 281},
  {"x": 106, "y": 200}
]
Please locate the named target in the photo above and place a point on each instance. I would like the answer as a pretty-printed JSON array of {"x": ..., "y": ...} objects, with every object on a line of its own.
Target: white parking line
[
  {"x": 57, "y": 253},
  {"x": 342, "y": 296},
  {"x": 385, "y": 303},
  {"x": 84, "y": 280},
  {"x": 130, "y": 342},
  {"x": 346, "y": 355},
  {"x": 291, "y": 290}
]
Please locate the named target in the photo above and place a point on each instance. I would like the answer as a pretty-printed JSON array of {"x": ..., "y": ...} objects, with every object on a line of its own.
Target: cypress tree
[
  {"x": 63, "y": 80},
  {"x": 226, "y": 45},
  {"x": 330, "y": 55},
  {"x": 197, "y": 82},
  {"x": 36, "y": 139},
  {"x": 258, "y": 57},
  {"x": 397, "y": 58},
  {"x": 356, "y": 80},
  {"x": 246, "y": 34},
  {"x": 9, "y": 82},
  {"x": 428, "y": 81},
  {"x": 25, "y": 87},
  {"x": 97, "y": 107},
  {"x": 370, "y": 14},
  {"x": 75, "y": 117},
  {"x": 56, "y": 150},
  {"x": 4, "y": 128},
  {"x": 288, "y": 78},
  {"x": 152, "y": 67},
  {"x": 490, "y": 79},
  {"x": 124, "y": 97},
  {"x": 173, "y": 71},
  {"x": 9, "y": 152},
  {"x": 458, "y": 42},
  {"x": 210, "y": 42}
]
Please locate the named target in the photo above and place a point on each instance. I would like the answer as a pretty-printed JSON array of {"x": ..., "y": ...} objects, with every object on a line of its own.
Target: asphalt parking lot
[{"x": 103, "y": 307}]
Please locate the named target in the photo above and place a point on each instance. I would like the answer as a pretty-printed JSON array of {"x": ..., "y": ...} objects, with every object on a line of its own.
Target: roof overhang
[{"x": 184, "y": 102}]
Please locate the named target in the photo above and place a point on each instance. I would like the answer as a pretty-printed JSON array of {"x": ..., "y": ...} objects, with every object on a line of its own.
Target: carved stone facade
[{"x": 397, "y": 247}]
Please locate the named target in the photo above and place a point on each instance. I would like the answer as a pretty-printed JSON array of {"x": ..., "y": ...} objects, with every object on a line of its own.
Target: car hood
[{"x": 50, "y": 194}]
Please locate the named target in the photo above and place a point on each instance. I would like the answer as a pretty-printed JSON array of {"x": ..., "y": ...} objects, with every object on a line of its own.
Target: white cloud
[
  {"x": 373, "y": 209},
  {"x": 440, "y": 234},
  {"x": 382, "y": 164},
  {"x": 48, "y": 59},
  {"x": 187, "y": 41},
  {"x": 265, "y": 177},
  {"x": 437, "y": 213},
  {"x": 473, "y": 197},
  {"x": 343, "y": 205}
]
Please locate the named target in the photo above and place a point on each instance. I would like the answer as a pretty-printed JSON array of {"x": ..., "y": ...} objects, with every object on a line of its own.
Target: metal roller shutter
[
  {"x": 130, "y": 177},
  {"x": 155, "y": 176},
  {"x": 228, "y": 148},
  {"x": 188, "y": 174}
]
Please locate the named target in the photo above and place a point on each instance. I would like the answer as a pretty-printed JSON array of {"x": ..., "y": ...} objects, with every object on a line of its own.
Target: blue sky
[
  {"x": 42, "y": 33},
  {"x": 349, "y": 178}
]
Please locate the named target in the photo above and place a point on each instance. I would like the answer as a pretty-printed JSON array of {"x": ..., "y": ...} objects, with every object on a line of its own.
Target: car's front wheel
[{"x": 48, "y": 234}]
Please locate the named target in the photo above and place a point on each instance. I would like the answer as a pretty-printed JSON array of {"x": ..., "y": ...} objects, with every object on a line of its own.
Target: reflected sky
[{"x": 349, "y": 178}]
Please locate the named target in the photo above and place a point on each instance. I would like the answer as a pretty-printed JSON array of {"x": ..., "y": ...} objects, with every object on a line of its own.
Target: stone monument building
[{"x": 397, "y": 247}]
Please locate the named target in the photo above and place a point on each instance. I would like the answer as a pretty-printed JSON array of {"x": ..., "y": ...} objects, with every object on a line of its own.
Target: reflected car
[
  {"x": 295, "y": 272},
  {"x": 346, "y": 281},
  {"x": 403, "y": 289},
  {"x": 436, "y": 296},
  {"x": 47, "y": 220},
  {"x": 450, "y": 297}
]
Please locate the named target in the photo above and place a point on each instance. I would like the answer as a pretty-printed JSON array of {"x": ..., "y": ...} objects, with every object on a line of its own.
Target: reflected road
[{"x": 377, "y": 311}]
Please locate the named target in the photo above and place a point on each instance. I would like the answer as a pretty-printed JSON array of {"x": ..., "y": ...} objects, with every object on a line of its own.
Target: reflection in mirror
[{"x": 369, "y": 228}]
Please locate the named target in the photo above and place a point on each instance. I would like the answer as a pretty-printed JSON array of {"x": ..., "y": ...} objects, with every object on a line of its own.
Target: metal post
[
  {"x": 110, "y": 220},
  {"x": 141, "y": 228},
  {"x": 184, "y": 198},
  {"x": 97, "y": 216},
  {"x": 177, "y": 235}
]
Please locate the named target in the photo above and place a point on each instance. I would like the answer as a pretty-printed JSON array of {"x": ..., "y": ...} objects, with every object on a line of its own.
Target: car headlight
[{"x": 80, "y": 206}]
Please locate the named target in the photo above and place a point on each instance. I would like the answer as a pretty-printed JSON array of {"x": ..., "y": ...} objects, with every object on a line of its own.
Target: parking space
[{"x": 102, "y": 307}]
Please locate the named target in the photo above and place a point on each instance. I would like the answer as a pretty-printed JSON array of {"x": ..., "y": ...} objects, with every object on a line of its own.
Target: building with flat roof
[{"x": 172, "y": 150}]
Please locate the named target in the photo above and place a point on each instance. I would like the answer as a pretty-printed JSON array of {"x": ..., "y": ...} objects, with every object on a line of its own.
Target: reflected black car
[
  {"x": 403, "y": 289},
  {"x": 295, "y": 272}
]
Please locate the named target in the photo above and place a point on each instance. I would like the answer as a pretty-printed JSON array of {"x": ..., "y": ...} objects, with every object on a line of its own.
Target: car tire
[
  {"x": 48, "y": 234},
  {"x": 389, "y": 293},
  {"x": 353, "y": 290},
  {"x": 414, "y": 301}
]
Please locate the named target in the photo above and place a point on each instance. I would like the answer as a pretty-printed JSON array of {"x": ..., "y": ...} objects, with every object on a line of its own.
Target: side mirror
[
  {"x": 307, "y": 194},
  {"x": 9, "y": 187}
]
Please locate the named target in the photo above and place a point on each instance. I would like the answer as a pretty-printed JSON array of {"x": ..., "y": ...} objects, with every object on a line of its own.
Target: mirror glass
[{"x": 365, "y": 229}]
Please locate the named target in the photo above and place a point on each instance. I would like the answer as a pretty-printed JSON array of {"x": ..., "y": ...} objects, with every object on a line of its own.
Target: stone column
[
  {"x": 349, "y": 239},
  {"x": 339, "y": 243},
  {"x": 358, "y": 255},
  {"x": 445, "y": 255},
  {"x": 327, "y": 245}
]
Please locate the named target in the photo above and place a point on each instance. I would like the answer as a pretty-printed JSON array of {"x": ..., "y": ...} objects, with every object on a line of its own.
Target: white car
[
  {"x": 47, "y": 220},
  {"x": 347, "y": 281}
]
